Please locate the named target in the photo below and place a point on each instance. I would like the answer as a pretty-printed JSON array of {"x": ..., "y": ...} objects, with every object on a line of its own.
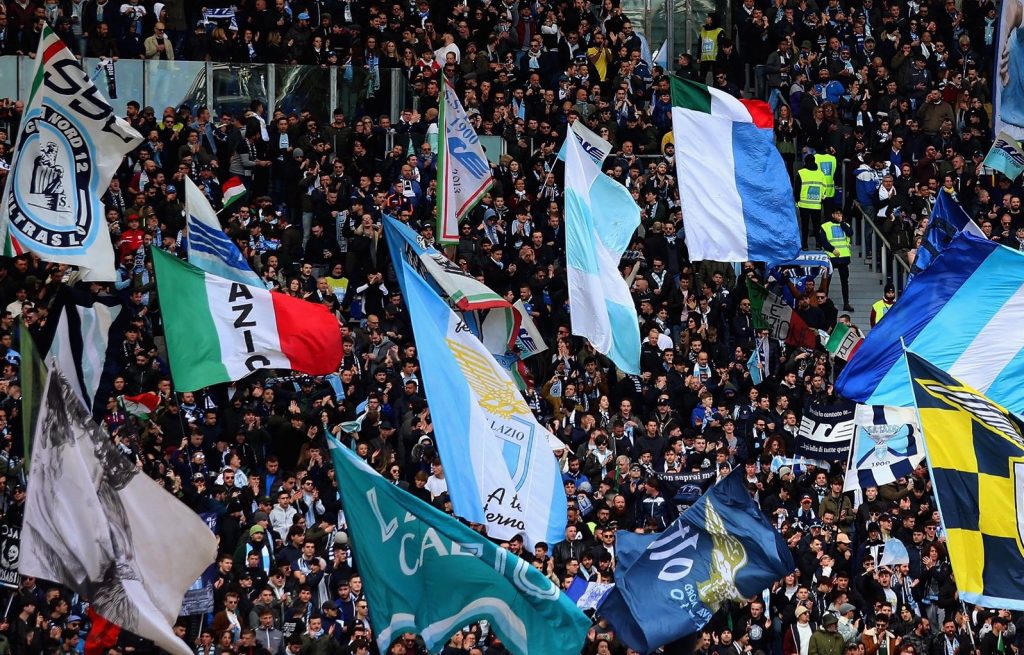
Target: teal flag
[{"x": 427, "y": 573}]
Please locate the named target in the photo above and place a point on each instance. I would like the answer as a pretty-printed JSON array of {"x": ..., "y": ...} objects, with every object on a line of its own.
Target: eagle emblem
[{"x": 727, "y": 557}]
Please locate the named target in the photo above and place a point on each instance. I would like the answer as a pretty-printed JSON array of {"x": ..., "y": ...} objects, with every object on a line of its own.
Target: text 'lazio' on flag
[
  {"x": 963, "y": 314},
  {"x": 209, "y": 248},
  {"x": 733, "y": 185},
  {"x": 600, "y": 218},
  {"x": 975, "y": 455},
  {"x": 668, "y": 585},
  {"x": 410, "y": 553},
  {"x": 497, "y": 457}
]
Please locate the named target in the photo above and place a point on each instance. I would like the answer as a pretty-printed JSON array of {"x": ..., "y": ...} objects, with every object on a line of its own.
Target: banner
[
  {"x": 69, "y": 147},
  {"x": 10, "y": 553},
  {"x": 106, "y": 66},
  {"x": 463, "y": 172},
  {"x": 826, "y": 431},
  {"x": 682, "y": 490},
  {"x": 886, "y": 446},
  {"x": 1005, "y": 156},
  {"x": 199, "y": 597}
]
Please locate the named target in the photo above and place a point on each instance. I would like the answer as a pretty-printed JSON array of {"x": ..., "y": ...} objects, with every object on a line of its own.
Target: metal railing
[{"x": 884, "y": 260}]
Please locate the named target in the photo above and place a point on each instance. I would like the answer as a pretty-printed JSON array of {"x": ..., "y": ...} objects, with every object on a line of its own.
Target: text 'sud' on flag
[
  {"x": 428, "y": 573},
  {"x": 975, "y": 451},
  {"x": 94, "y": 523},
  {"x": 668, "y": 585},
  {"x": 69, "y": 146}
]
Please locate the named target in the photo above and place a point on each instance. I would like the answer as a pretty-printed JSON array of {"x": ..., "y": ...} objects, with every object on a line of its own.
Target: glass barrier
[
  {"x": 175, "y": 83},
  {"x": 303, "y": 88},
  {"x": 235, "y": 86}
]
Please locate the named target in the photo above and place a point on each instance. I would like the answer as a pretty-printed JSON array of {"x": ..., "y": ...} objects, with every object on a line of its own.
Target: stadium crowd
[{"x": 900, "y": 89}]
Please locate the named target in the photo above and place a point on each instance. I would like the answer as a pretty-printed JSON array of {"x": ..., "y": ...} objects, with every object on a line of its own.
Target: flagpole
[{"x": 9, "y": 602}]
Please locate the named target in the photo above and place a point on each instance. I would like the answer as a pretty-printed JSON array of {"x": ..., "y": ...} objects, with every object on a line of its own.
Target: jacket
[{"x": 824, "y": 642}]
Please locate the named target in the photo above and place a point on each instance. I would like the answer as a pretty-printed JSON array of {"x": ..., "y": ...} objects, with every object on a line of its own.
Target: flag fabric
[
  {"x": 99, "y": 526},
  {"x": 487, "y": 314},
  {"x": 103, "y": 634},
  {"x": 463, "y": 172},
  {"x": 963, "y": 313},
  {"x": 947, "y": 220},
  {"x": 77, "y": 336},
  {"x": 975, "y": 454},
  {"x": 530, "y": 342},
  {"x": 886, "y": 446},
  {"x": 736, "y": 194},
  {"x": 668, "y": 585},
  {"x": 1005, "y": 156},
  {"x": 844, "y": 341},
  {"x": 408, "y": 551},
  {"x": 232, "y": 191},
  {"x": 895, "y": 553},
  {"x": 826, "y": 431},
  {"x": 754, "y": 366},
  {"x": 661, "y": 59},
  {"x": 218, "y": 330},
  {"x": 32, "y": 374},
  {"x": 69, "y": 146},
  {"x": 591, "y": 142},
  {"x": 141, "y": 405},
  {"x": 600, "y": 218},
  {"x": 799, "y": 465},
  {"x": 497, "y": 457},
  {"x": 771, "y": 313},
  {"x": 209, "y": 248}
]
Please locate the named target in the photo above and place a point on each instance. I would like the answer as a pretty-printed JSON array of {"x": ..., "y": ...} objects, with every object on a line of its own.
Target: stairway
[{"x": 865, "y": 290}]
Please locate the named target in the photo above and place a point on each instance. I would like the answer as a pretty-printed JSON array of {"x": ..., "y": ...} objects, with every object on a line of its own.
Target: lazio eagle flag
[
  {"x": 412, "y": 554},
  {"x": 975, "y": 451},
  {"x": 668, "y": 585}
]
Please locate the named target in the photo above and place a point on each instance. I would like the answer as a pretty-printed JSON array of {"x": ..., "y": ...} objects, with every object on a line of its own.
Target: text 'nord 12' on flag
[
  {"x": 668, "y": 585},
  {"x": 964, "y": 314},
  {"x": 737, "y": 197},
  {"x": 69, "y": 146},
  {"x": 463, "y": 172},
  {"x": 410, "y": 553},
  {"x": 220, "y": 331},
  {"x": 600, "y": 218}
]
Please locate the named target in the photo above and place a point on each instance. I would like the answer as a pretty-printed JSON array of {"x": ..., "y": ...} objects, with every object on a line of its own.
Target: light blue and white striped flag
[
  {"x": 497, "y": 457},
  {"x": 600, "y": 218},
  {"x": 209, "y": 248}
]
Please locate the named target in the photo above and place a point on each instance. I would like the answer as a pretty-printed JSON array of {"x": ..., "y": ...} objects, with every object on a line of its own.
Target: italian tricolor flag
[
  {"x": 736, "y": 195},
  {"x": 220, "y": 331},
  {"x": 771, "y": 313},
  {"x": 141, "y": 405},
  {"x": 232, "y": 191},
  {"x": 844, "y": 341}
]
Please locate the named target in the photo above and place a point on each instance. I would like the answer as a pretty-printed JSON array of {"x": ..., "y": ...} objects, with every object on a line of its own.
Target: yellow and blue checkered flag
[{"x": 975, "y": 451}]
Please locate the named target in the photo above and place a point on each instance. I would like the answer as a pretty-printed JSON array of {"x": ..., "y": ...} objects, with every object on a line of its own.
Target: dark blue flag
[
  {"x": 668, "y": 585},
  {"x": 948, "y": 220}
]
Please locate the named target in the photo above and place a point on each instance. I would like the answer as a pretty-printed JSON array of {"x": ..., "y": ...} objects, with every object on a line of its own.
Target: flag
[
  {"x": 592, "y": 143},
  {"x": 141, "y": 405},
  {"x": 409, "y": 552},
  {"x": 463, "y": 172},
  {"x": 668, "y": 585},
  {"x": 895, "y": 553},
  {"x": 32, "y": 374},
  {"x": 77, "y": 336},
  {"x": 963, "y": 313},
  {"x": 70, "y": 145},
  {"x": 1006, "y": 156},
  {"x": 497, "y": 457},
  {"x": 947, "y": 220},
  {"x": 600, "y": 218},
  {"x": 826, "y": 431},
  {"x": 530, "y": 342},
  {"x": 661, "y": 59},
  {"x": 799, "y": 465},
  {"x": 232, "y": 191},
  {"x": 771, "y": 313},
  {"x": 102, "y": 635},
  {"x": 219, "y": 331},
  {"x": 754, "y": 366},
  {"x": 99, "y": 526},
  {"x": 736, "y": 193},
  {"x": 487, "y": 314},
  {"x": 975, "y": 454},
  {"x": 209, "y": 248},
  {"x": 885, "y": 446},
  {"x": 844, "y": 341}
]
